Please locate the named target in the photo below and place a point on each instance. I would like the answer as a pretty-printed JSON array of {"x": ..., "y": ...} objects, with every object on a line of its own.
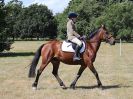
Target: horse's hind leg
[
  {"x": 39, "y": 71},
  {"x": 55, "y": 73},
  {"x": 45, "y": 62},
  {"x": 81, "y": 69}
]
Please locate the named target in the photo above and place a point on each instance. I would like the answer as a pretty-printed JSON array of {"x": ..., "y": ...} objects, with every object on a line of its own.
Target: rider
[{"x": 72, "y": 35}]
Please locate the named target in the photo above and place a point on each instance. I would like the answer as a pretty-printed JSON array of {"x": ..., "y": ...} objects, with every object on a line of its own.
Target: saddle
[{"x": 68, "y": 46}]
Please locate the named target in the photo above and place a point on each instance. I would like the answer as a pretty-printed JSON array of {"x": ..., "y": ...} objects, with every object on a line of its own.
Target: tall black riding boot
[{"x": 77, "y": 54}]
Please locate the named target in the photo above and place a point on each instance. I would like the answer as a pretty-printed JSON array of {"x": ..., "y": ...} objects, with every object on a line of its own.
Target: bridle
[{"x": 107, "y": 37}]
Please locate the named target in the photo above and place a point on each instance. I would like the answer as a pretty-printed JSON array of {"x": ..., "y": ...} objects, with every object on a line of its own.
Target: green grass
[{"x": 116, "y": 74}]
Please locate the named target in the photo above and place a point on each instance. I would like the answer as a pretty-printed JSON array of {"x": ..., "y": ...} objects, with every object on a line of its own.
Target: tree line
[
  {"x": 115, "y": 14},
  {"x": 37, "y": 21}
]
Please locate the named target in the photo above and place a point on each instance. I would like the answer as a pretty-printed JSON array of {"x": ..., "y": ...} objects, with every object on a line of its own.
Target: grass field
[{"x": 116, "y": 74}]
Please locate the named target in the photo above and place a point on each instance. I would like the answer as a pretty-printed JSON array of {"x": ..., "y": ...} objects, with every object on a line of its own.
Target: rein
[
  {"x": 94, "y": 41},
  {"x": 106, "y": 38}
]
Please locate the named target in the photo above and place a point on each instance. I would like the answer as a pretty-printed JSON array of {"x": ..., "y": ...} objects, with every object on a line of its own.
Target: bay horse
[{"x": 51, "y": 52}]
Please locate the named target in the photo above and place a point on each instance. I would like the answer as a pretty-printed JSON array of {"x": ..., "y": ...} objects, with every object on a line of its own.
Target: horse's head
[{"x": 106, "y": 36}]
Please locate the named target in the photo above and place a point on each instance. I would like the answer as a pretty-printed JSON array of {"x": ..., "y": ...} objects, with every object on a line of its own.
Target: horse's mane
[{"x": 93, "y": 33}]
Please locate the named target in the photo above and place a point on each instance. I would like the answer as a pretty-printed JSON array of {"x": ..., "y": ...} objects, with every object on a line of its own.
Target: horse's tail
[{"x": 34, "y": 62}]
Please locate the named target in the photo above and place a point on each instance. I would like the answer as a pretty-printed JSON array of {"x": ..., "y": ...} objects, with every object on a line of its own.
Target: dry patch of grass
[{"x": 116, "y": 74}]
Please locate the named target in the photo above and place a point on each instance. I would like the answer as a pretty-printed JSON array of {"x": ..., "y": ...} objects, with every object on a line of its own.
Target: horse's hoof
[
  {"x": 72, "y": 86},
  {"x": 34, "y": 88},
  {"x": 63, "y": 87},
  {"x": 100, "y": 87}
]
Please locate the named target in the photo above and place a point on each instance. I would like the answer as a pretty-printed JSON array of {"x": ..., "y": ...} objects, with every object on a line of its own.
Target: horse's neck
[{"x": 95, "y": 43}]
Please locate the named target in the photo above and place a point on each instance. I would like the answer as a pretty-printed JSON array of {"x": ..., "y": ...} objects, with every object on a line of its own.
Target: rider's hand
[
  {"x": 80, "y": 38},
  {"x": 83, "y": 37}
]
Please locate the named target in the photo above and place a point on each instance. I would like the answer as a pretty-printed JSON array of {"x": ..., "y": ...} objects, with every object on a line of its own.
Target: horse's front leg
[
  {"x": 55, "y": 73},
  {"x": 92, "y": 68},
  {"x": 81, "y": 69}
]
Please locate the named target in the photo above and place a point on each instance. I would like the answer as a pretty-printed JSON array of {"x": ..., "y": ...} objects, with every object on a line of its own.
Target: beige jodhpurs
[{"x": 77, "y": 41}]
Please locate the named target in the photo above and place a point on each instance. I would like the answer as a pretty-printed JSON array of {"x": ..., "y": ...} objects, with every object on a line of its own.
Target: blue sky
[{"x": 56, "y": 6}]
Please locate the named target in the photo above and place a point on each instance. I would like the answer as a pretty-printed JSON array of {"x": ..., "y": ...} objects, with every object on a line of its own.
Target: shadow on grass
[
  {"x": 15, "y": 54},
  {"x": 103, "y": 88},
  {"x": 91, "y": 87}
]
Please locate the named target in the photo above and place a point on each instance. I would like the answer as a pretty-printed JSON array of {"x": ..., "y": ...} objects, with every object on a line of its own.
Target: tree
[
  {"x": 2, "y": 22},
  {"x": 87, "y": 10},
  {"x": 4, "y": 44},
  {"x": 116, "y": 14},
  {"x": 14, "y": 8},
  {"x": 36, "y": 21},
  {"x": 30, "y": 22},
  {"x": 118, "y": 17}
]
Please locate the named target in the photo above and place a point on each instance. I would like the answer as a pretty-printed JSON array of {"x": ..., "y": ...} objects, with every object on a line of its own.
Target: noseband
[{"x": 108, "y": 37}]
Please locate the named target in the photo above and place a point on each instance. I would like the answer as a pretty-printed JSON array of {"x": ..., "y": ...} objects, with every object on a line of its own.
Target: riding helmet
[{"x": 72, "y": 15}]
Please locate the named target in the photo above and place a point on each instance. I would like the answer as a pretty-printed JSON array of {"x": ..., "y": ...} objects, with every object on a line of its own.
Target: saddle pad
[{"x": 67, "y": 47}]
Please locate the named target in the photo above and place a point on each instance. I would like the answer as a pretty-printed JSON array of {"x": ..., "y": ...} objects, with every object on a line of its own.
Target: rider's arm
[
  {"x": 74, "y": 30},
  {"x": 71, "y": 29}
]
